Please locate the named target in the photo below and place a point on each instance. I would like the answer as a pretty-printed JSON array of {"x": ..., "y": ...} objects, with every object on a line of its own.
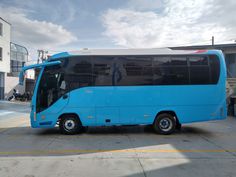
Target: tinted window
[
  {"x": 171, "y": 75},
  {"x": 198, "y": 60},
  {"x": 178, "y": 61},
  {"x": 134, "y": 70},
  {"x": 199, "y": 75},
  {"x": 102, "y": 70},
  {"x": 170, "y": 70},
  {"x": 199, "y": 70},
  {"x": 82, "y": 71},
  {"x": 78, "y": 72},
  {"x": 215, "y": 68},
  {"x": 170, "y": 61},
  {"x": 162, "y": 60}
]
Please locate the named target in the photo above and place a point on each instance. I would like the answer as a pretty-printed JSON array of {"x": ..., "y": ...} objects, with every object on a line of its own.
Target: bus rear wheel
[
  {"x": 70, "y": 125},
  {"x": 164, "y": 124}
]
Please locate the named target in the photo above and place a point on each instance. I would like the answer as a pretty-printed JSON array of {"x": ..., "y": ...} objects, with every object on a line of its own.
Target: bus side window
[
  {"x": 199, "y": 63},
  {"x": 135, "y": 70},
  {"x": 170, "y": 70},
  {"x": 215, "y": 68},
  {"x": 102, "y": 70},
  {"x": 78, "y": 73}
]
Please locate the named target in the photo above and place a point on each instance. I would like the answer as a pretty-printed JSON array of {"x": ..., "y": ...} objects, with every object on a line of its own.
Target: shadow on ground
[
  {"x": 25, "y": 141},
  {"x": 113, "y": 149}
]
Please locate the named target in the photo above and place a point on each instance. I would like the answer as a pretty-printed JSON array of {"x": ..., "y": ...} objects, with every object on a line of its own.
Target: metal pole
[{"x": 212, "y": 40}]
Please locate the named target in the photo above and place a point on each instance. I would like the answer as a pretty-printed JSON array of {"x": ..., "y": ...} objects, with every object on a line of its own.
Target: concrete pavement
[
  {"x": 203, "y": 149},
  {"x": 13, "y": 109}
]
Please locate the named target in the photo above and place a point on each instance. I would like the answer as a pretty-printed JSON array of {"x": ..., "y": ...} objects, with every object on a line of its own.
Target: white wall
[
  {"x": 5, "y": 44},
  {"x": 13, "y": 83}
]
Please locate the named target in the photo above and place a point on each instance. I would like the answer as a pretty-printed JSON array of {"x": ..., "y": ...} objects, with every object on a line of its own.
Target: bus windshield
[{"x": 51, "y": 87}]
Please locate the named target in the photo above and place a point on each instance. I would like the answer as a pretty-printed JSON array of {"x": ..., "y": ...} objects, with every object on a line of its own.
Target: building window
[
  {"x": 19, "y": 56},
  {"x": 16, "y": 67},
  {"x": 1, "y": 29},
  {"x": 0, "y": 53}
]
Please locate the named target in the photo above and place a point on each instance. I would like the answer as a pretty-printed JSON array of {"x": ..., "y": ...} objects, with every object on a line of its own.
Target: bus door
[
  {"x": 106, "y": 112},
  {"x": 106, "y": 108},
  {"x": 52, "y": 95}
]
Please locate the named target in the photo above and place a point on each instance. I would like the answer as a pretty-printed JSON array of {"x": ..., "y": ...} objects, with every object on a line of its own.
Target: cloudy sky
[{"x": 73, "y": 24}]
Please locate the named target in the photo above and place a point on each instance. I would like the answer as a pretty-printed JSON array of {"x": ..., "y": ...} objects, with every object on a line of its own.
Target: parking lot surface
[{"x": 201, "y": 149}]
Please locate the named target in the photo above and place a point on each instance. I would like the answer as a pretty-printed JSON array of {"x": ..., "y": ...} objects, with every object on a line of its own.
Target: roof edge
[
  {"x": 5, "y": 20},
  {"x": 193, "y": 47}
]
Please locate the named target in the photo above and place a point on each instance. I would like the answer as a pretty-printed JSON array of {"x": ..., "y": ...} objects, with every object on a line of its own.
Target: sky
[{"x": 64, "y": 25}]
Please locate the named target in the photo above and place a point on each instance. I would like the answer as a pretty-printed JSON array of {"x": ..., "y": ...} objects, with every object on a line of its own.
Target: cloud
[
  {"x": 178, "y": 23},
  {"x": 145, "y": 4},
  {"x": 34, "y": 33}
]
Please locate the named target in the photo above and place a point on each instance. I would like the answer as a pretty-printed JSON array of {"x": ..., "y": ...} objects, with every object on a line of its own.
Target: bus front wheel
[
  {"x": 70, "y": 124},
  {"x": 164, "y": 124}
]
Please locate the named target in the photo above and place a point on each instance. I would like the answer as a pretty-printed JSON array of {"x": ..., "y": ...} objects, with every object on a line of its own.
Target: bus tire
[
  {"x": 164, "y": 124},
  {"x": 178, "y": 126},
  {"x": 70, "y": 125}
]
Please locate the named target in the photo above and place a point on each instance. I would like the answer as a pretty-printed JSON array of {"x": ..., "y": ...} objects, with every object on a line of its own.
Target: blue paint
[
  {"x": 21, "y": 75},
  {"x": 127, "y": 105},
  {"x": 59, "y": 55}
]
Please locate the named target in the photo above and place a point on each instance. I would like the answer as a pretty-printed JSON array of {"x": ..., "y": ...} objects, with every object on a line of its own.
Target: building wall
[
  {"x": 12, "y": 83},
  {"x": 18, "y": 58},
  {"x": 230, "y": 60},
  {"x": 2, "y": 78},
  {"x": 5, "y": 44},
  {"x": 5, "y": 62}
]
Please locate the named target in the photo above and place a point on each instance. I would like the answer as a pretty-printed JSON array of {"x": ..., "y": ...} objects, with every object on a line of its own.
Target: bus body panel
[
  {"x": 184, "y": 102},
  {"x": 128, "y": 105}
]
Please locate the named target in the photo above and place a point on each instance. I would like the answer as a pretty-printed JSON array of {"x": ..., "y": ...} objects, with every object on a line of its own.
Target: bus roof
[{"x": 114, "y": 52}]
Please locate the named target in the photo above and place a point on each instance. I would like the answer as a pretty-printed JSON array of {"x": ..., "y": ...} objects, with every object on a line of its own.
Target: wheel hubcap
[
  {"x": 69, "y": 124},
  {"x": 165, "y": 124}
]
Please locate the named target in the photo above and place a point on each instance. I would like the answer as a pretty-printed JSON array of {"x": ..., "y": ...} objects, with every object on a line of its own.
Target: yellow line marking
[{"x": 69, "y": 151}]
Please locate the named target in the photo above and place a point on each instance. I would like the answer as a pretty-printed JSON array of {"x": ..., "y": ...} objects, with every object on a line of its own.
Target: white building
[
  {"x": 5, "y": 36},
  {"x": 12, "y": 59}
]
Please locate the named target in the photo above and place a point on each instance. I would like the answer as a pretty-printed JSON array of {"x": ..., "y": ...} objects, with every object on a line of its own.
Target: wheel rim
[
  {"x": 69, "y": 125},
  {"x": 165, "y": 124}
]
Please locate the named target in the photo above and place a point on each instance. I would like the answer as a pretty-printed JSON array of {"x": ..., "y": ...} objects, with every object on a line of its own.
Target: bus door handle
[{"x": 65, "y": 96}]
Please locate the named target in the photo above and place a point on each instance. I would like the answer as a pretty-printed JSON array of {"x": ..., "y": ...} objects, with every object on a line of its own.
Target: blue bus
[{"x": 98, "y": 87}]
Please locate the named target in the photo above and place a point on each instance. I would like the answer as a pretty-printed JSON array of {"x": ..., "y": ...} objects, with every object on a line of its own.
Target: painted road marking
[{"x": 82, "y": 151}]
